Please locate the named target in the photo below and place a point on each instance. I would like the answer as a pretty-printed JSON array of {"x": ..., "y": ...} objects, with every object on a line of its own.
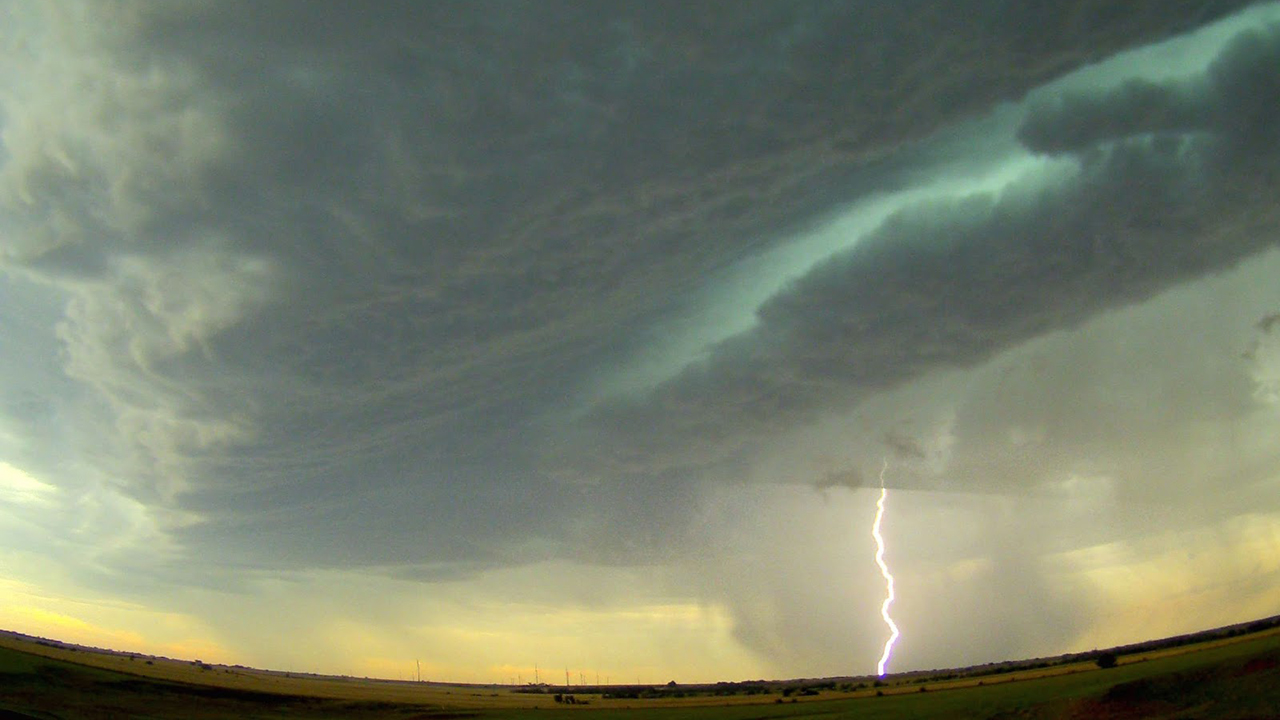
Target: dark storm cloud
[
  {"x": 1264, "y": 357},
  {"x": 324, "y": 267},
  {"x": 904, "y": 446},
  {"x": 849, "y": 478},
  {"x": 1173, "y": 183}
]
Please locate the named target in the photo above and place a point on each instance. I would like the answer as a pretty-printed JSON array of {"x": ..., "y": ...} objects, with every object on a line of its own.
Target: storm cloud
[
  {"x": 292, "y": 288},
  {"x": 1161, "y": 185}
]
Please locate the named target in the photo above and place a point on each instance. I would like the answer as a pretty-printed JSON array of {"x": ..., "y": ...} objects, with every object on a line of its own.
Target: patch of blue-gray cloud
[
  {"x": 1140, "y": 420},
  {"x": 1173, "y": 183},
  {"x": 320, "y": 277}
]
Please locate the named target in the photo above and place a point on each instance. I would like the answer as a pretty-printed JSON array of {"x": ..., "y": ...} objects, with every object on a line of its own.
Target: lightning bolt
[{"x": 888, "y": 578}]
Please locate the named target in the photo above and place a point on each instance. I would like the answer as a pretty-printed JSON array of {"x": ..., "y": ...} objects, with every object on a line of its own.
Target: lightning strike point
[{"x": 888, "y": 578}]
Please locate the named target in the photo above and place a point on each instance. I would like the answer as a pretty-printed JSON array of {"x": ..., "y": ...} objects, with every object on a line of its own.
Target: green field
[{"x": 1238, "y": 679}]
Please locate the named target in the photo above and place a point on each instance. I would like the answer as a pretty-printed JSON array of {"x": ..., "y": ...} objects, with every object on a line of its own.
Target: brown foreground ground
[{"x": 1226, "y": 673}]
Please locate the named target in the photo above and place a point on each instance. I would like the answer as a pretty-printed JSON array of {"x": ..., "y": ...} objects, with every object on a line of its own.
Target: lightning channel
[{"x": 888, "y": 577}]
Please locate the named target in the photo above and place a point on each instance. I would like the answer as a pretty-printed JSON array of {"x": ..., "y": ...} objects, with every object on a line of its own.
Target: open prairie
[{"x": 1220, "y": 677}]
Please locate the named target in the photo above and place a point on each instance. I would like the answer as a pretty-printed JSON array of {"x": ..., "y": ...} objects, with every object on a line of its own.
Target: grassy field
[{"x": 1226, "y": 678}]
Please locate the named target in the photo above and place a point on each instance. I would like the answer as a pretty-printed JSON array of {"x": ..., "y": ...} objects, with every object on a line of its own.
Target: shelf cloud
[{"x": 430, "y": 295}]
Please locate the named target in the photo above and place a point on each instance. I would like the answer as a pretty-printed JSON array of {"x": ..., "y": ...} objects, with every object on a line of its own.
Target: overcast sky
[{"x": 339, "y": 335}]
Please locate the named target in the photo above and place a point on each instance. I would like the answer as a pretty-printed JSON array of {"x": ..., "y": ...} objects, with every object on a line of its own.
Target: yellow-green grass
[
  {"x": 1235, "y": 677},
  {"x": 265, "y": 681}
]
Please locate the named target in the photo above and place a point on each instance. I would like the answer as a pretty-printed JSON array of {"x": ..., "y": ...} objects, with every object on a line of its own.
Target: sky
[{"x": 516, "y": 337}]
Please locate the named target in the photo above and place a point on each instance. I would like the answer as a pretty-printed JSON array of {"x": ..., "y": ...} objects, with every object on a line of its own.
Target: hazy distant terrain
[{"x": 1231, "y": 674}]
